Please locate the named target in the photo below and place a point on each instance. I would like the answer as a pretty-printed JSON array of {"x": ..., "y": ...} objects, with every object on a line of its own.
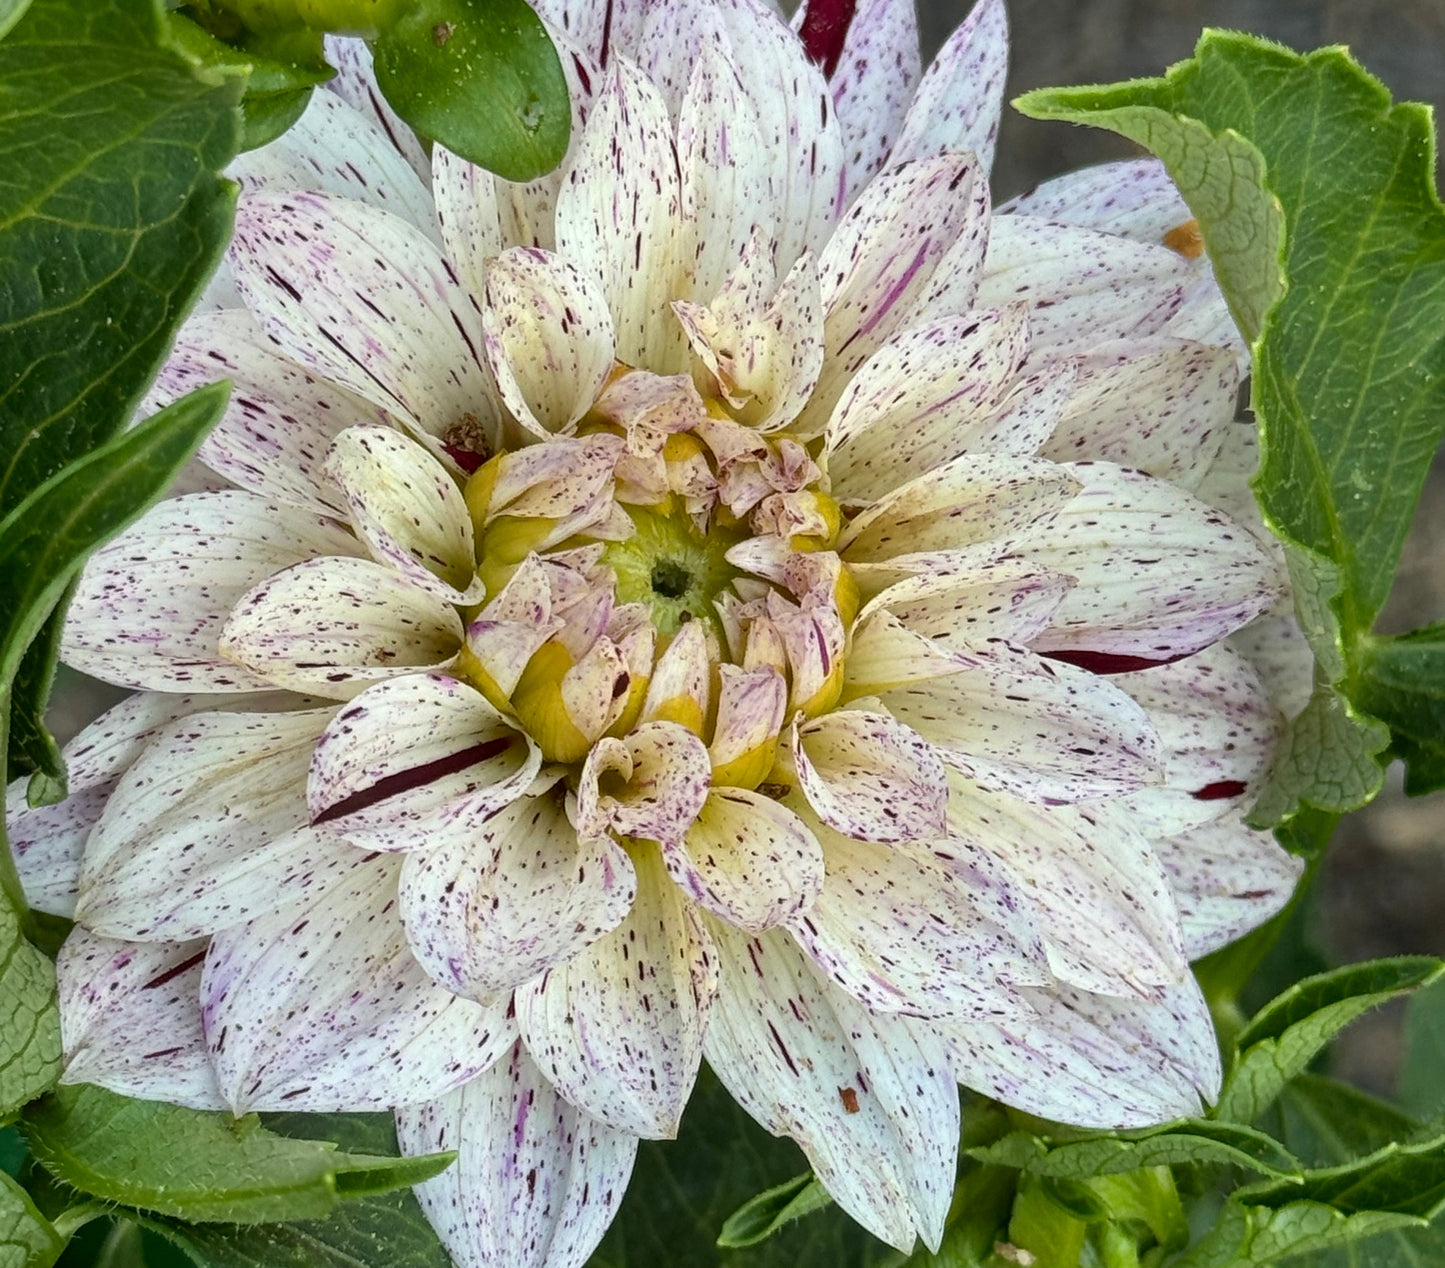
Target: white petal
[
  {"x": 488, "y": 910},
  {"x": 151, "y": 604},
  {"x": 664, "y": 776},
  {"x": 1093, "y": 1061},
  {"x": 415, "y": 761},
  {"x": 1159, "y": 574},
  {"x": 280, "y": 420},
  {"x": 130, "y": 1019},
  {"x": 1228, "y": 879},
  {"x": 466, "y": 210},
  {"x": 320, "y": 1006},
  {"x": 1132, "y": 197},
  {"x": 1085, "y": 288},
  {"x": 618, "y": 1028},
  {"x": 355, "y": 83},
  {"x": 959, "y": 101},
  {"x": 870, "y": 777},
  {"x": 549, "y": 338},
  {"x": 207, "y": 828},
  {"x": 1007, "y": 601},
  {"x": 1161, "y": 405},
  {"x": 536, "y": 1181},
  {"x": 748, "y": 860},
  {"x": 333, "y": 625},
  {"x": 1018, "y": 723},
  {"x": 361, "y": 298},
  {"x": 871, "y": 1103}
]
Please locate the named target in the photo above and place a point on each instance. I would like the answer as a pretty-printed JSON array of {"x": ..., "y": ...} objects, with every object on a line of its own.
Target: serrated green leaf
[
  {"x": 1405, "y": 1178},
  {"x": 26, "y": 1238},
  {"x": 30, "y": 1030},
  {"x": 1193, "y": 1142},
  {"x": 199, "y": 1166},
  {"x": 1255, "y": 1237},
  {"x": 481, "y": 77},
  {"x": 1287, "y": 1034},
  {"x": 1402, "y": 682},
  {"x": 1349, "y": 366},
  {"x": 760, "y": 1217}
]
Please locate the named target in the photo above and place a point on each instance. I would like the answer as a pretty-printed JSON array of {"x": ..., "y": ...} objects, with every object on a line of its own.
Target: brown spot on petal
[
  {"x": 1220, "y": 790},
  {"x": 849, "y": 1098},
  {"x": 1186, "y": 240}
]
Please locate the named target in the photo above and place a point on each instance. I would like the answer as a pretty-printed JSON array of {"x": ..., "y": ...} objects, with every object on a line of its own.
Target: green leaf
[
  {"x": 1349, "y": 366},
  {"x": 33, "y": 749},
  {"x": 200, "y": 1166},
  {"x": 1191, "y": 1142},
  {"x": 760, "y": 1217},
  {"x": 26, "y": 1238},
  {"x": 1422, "y": 1073},
  {"x": 1405, "y": 1178},
  {"x": 1257, "y": 1236},
  {"x": 1287, "y": 1034},
  {"x": 11, "y": 11},
  {"x": 683, "y": 1191},
  {"x": 481, "y": 77},
  {"x": 1402, "y": 682},
  {"x": 30, "y": 1034}
]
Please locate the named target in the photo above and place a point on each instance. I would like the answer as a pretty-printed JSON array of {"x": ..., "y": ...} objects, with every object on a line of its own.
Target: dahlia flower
[{"x": 740, "y": 597}]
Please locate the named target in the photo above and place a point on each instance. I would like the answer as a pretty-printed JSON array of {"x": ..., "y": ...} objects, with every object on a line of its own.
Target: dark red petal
[{"x": 824, "y": 30}]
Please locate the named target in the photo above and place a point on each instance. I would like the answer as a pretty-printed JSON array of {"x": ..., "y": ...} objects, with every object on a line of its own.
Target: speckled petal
[
  {"x": 417, "y": 761},
  {"x": 618, "y": 216},
  {"x": 1101, "y": 898},
  {"x": 488, "y": 910},
  {"x": 355, "y": 83},
  {"x": 747, "y": 859},
  {"x": 618, "y": 1028},
  {"x": 280, "y": 420},
  {"x": 749, "y": 711},
  {"x": 1228, "y": 879},
  {"x": 359, "y": 297},
  {"x": 665, "y": 774},
  {"x": 151, "y": 604},
  {"x": 871, "y": 1103},
  {"x": 1132, "y": 197},
  {"x": 201, "y": 826},
  {"x": 536, "y": 1181},
  {"x": 332, "y": 625},
  {"x": 1010, "y": 601},
  {"x": 336, "y": 149},
  {"x": 960, "y": 98},
  {"x": 548, "y": 337},
  {"x": 870, "y": 776},
  {"x": 1159, "y": 574},
  {"x": 1091, "y": 1060},
  {"x": 130, "y": 1019},
  {"x": 466, "y": 211},
  {"x": 1161, "y": 405},
  {"x": 921, "y": 400},
  {"x": 407, "y": 508},
  {"x": 1021, "y": 724},
  {"x": 1219, "y": 732},
  {"x": 320, "y": 1006}
]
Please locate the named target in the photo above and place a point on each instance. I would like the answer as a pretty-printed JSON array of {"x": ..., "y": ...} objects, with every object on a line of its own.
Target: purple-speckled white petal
[
  {"x": 1219, "y": 732},
  {"x": 1277, "y": 648},
  {"x": 664, "y": 776},
  {"x": 206, "y": 828},
  {"x": 361, "y": 298},
  {"x": 1161, "y": 405},
  {"x": 747, "y": 859},
  {"x": 488, "y": 910},
  {"x": 750, "y": 711},
  {"x": 921, "y": 400},
  {"x": 548, "y": 337},
  {"x": 1092, "y": 1060},
  {"x": 960, "y": 98},
  {"x": 408, "y": 509},
  {"x": 355, "y": 83},
  {"x": 872, "y": 1103},
  {"x": 973, "y": 499},
  {"x": 1103, "y": 903},
  {"x": 332, "y": 625},
  {"x": 417, "y": 761},
  {"x": 1159, "y": 573},
  {"x": 334, "y": 148},
  {"x": 877, "y": 73},
  {"x": 1132, "y": 197},
  {"x": 869, "y": 776},
  {"x": 921, "y": 933},
  {"x": 1006, "y": 601},
  {"x": 130, "y": 1019},
  {"x": 619, "y": 215},
  {"x": 536, "y": 1181},
  {"x": 1036, "y": 728},
  {"x": 320, "y": 1006},
  {"x": 151, "y": 604},
  {"x": 280, "y": 420},
  {"x": 885, "y": 653},
  {"x": 1085, "y": 288},
  {"x": 1228, "y": 879},
  {"x": 882, "y": 256},
  {"x": 618, "y": 1028},
  {"x": 466, "y": 211},
  {"x": 1030, "y": 412}
]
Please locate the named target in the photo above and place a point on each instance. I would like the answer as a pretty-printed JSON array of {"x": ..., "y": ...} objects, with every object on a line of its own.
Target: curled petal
[{"x": 665, "y": 776}]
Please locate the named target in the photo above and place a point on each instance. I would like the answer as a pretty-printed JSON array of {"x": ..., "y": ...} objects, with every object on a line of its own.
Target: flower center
[{"x": 672, "y": 569}]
